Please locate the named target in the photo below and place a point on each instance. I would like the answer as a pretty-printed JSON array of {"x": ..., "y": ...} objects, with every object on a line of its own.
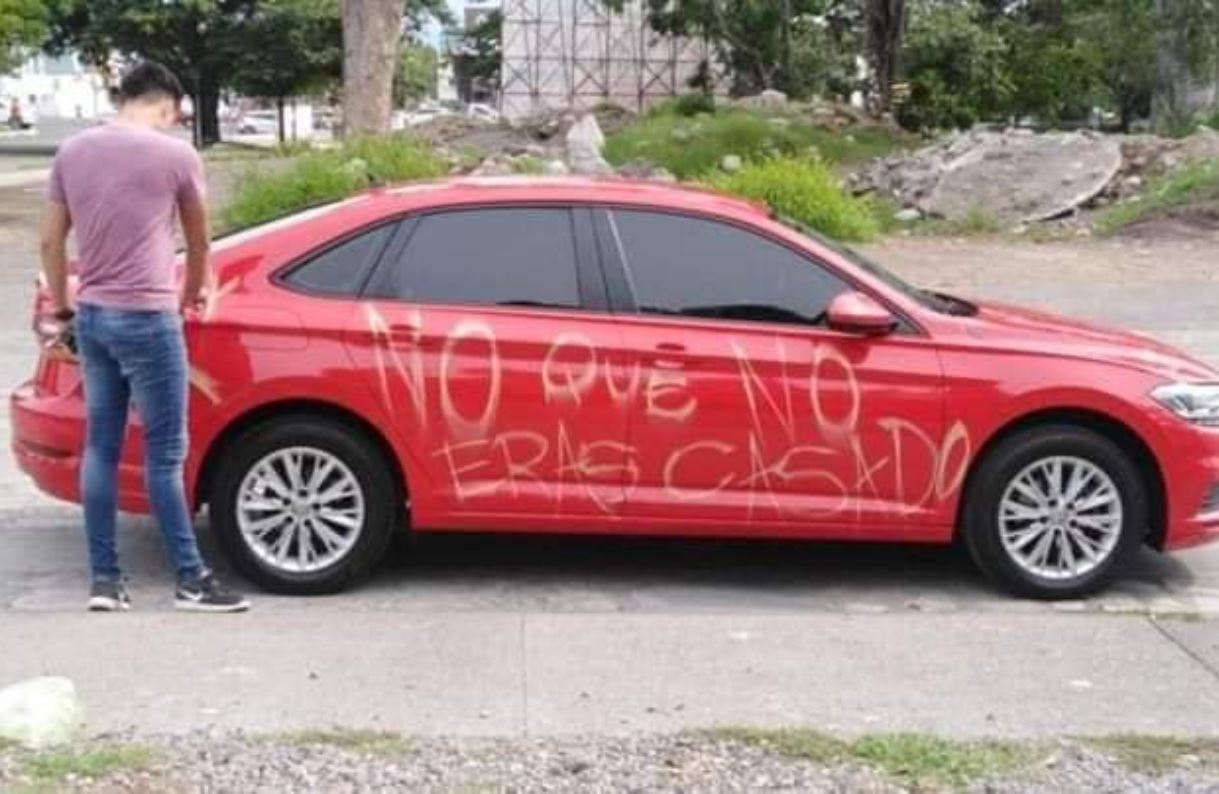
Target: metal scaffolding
[{"x": 577, "y": 53}]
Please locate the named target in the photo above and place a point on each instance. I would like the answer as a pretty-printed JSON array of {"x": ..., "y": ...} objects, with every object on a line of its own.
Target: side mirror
[{"x": 856, "y": 313}]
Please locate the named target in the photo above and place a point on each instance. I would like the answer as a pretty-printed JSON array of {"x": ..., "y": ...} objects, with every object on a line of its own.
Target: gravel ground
[{"x": 685, "y": 762}]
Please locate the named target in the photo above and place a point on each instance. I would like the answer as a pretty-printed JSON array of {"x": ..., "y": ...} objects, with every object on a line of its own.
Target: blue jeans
[{"x": 140, "y": 357}]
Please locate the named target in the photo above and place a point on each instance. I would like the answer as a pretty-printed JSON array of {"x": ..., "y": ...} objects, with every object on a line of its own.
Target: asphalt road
[{"x": 499, "y": 636}]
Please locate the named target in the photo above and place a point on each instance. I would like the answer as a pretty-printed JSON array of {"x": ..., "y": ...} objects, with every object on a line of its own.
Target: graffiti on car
[{"x": 819, "y": 421}]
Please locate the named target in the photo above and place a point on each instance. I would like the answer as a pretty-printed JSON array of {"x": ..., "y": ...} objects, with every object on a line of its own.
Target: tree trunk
[
  {"x": 207, "y": 109},
  {"x": 886, "y": 22},
  {"x": 372, "y": 35},
  {"x": 279, "y": 107},
  {"x": 1169, "y": 103}
]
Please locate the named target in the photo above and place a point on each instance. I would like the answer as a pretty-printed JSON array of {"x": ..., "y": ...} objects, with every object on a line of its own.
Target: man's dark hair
[{"x": 148, "y": 80}]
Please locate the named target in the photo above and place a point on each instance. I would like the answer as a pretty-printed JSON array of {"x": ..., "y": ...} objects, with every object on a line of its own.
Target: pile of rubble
[
  {"x": 557, "y": 142},
  {"x": 1018, "y": 176}
]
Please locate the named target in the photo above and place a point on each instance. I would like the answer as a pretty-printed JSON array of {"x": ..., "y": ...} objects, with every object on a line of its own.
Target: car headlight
[{"x": 1197, "y": 403}]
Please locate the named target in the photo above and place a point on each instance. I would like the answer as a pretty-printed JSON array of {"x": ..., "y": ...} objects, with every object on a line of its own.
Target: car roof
[{"x": 577, "y": 189}]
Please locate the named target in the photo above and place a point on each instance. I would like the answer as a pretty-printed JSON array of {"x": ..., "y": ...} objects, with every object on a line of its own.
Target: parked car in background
[
  {"x": 482, "y": 112},
  {"x": 258, "y": 122},
  {"x": 581, "y": 356},
  {"x": 425, "y": 113}
]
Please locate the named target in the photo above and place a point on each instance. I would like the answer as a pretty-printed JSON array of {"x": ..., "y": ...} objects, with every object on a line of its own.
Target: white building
[{"x": 57, "y": 86}]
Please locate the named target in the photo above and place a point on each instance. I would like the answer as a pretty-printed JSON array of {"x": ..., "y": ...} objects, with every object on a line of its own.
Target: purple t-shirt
[{"x": 121, "y": 184}]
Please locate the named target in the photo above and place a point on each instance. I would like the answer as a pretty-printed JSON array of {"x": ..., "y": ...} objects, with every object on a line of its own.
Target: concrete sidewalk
[{"x": 504, "y": 673}]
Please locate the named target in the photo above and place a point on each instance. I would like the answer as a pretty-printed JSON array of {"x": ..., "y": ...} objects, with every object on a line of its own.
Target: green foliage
[
  {"x": 685, "y": 105},
  {"x": 955, "y": 65},
  {"x": 689, "y": 147},
  {"x": 764, "y": 44},
  {"x": 920, "y": 760},
  {"x": 1053, "y": 73},
  {"x": 56, "y": 766},
  {"x": 263, "y": 194},
  {"x": 289, "y": 47},
  {"x": 1191, "y": 184},
  {"x": 23, "y": 26},
  {"x": 262, "y": 47},
  {"x": 476, "y": 58},
  {"x": 804, "y": 190},
  {"x": 416, "y": 76},
  {"x": 1120, "y": 38},
  {"x": 911, "y": 760}
]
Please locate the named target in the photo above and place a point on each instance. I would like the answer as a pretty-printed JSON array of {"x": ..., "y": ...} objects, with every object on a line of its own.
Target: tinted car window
[
  {"x": 702, "y": 268},
  {"x": 340, "y": 270},
  {"x": 502, "y": 257}
]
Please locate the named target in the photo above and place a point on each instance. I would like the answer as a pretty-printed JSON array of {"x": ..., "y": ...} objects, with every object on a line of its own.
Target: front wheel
[
  {"x": 304, "y": 505},
  {"x": 1053, "y": 512}
]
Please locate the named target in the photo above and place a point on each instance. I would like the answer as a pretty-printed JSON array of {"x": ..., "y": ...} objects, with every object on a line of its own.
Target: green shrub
[
  {"x": 686, "y": 105},
  {"x": 263, "y": 194},
  {"x": 689, "y": 147},
  {"x": 805, "y": 190}
]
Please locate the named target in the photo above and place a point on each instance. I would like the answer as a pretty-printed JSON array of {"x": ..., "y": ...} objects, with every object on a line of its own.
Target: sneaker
[
  {"x": 205, "y": 594},
  {"x": 108, "y": 595}
]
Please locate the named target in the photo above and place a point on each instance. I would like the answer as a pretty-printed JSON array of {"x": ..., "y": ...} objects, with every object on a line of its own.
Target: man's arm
[
  {"x": 196, "y": 227},
  {"x": 56, "y": 223}
]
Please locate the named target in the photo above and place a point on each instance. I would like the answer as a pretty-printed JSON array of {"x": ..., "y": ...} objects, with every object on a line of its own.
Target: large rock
[
  {"x": 584, "y": 144},
  {"x": 1026, "y": 178},
  {"x": 40, "y": 712},
  {"x": 1014, "y": 176}
]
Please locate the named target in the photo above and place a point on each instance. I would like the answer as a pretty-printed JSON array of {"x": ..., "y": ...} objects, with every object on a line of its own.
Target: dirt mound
[{"x": 1017, "y": 176}]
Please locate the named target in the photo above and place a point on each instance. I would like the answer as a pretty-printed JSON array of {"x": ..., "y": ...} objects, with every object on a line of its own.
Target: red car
[{"x": 573, "y": 356}]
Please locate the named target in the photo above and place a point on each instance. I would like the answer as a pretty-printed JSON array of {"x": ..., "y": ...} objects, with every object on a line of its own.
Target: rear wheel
[
  {"x": 1054, "y": 512},
  {"x": 304, "y": 505}
]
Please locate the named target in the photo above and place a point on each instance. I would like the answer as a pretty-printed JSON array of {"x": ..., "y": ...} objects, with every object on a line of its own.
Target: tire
[
  {"x": 1109, "y": 516},
  {"x": 336, "y": 555}
]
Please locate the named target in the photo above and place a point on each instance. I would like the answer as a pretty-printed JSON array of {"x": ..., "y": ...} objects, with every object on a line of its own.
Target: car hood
[{"x": 1041, "y": 332}]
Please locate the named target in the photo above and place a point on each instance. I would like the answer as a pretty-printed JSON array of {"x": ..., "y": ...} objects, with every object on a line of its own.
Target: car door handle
[
  {"x": 668, "y": 355},
  {"x": 403, "y": 333}
]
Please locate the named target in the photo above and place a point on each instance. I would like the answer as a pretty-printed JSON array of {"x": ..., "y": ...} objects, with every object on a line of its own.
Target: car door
[
  {"x": 749, "y": 409},
  {"x": 483, "y": 330}
]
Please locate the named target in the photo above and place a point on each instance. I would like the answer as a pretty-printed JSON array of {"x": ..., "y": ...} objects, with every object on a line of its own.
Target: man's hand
[{"x": 56, "y": 223}]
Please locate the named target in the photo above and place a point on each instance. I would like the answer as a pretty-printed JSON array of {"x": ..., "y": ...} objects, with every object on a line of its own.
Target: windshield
[{"x": 936, "y": 301}]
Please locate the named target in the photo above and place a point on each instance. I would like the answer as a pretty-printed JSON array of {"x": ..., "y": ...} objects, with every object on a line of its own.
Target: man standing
[{"x": 120, "y": 185}]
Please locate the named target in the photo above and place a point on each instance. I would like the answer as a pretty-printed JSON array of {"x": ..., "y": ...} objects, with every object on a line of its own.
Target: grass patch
[
  {"x": 976, "y": 223},
  {"x": 806, "y": 190},
  {"x": 384, "y": 744},
  {"x": 53, "y": 767},
  {"x": 690, "y": 146},
  {"x": 909, "y": 759},
  {"x": 1190, "y": 184},
  {"x": 1154, "y": 754},
  {"x": 917, "y": 759},
  {"x": 327, "y": 175}
]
